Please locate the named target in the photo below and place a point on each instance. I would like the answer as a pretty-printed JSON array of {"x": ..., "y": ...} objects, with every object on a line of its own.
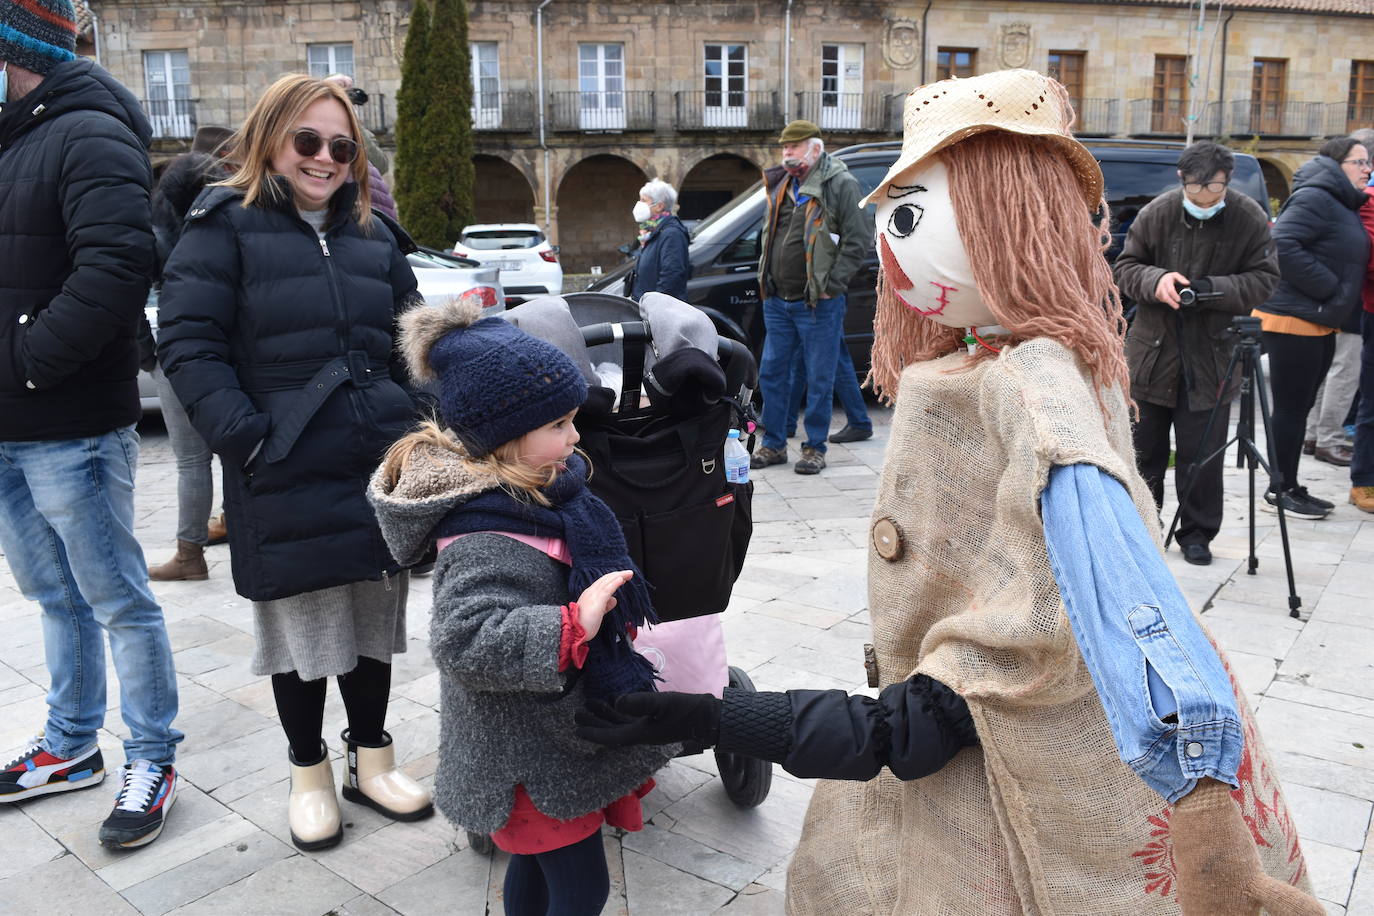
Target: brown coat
[{"x": 1234, "y": 251}]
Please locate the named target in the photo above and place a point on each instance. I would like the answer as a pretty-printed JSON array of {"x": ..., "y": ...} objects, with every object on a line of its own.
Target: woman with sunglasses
[
  {"x": 277, "y": 332},
  {"x": 1323, "y": 250}
]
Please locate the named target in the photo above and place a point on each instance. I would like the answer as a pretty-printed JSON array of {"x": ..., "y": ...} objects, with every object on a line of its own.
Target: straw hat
[{"x": 941, "y": 114}]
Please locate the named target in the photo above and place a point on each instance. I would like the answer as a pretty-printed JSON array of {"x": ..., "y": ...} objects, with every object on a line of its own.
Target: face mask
[
  {"x": 4, "y": 84},
  {"x": 641, "y": 212},
  {"x": 1197, "y": 212},
  {"x": 922, "y": 252},
  {"x": 794, "y": 166}
]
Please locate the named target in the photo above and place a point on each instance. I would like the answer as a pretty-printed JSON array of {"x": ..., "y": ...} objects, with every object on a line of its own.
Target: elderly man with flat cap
[{"x": 814, "y": 239}]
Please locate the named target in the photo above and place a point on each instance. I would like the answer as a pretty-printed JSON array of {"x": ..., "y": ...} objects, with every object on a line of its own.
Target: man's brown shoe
[
  {"x": 1309, "y": 446},
  {"x": 1339, "y": 455},
  {"x": 812, "y": 461},
  {"x": 766, "y": 457},
  {"x": 1363, "y": 498},
  {"x": 217, "y": 531},
  {"x": 187, "y": 565}
]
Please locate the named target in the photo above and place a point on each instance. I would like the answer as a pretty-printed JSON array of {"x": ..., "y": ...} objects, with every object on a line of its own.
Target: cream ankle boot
[
  {"x": 312, "y": 809},
  {"x": 373, "y": 780}
]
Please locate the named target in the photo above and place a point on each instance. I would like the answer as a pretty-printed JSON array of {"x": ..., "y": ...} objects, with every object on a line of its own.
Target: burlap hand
[{"x": 1219, "y": 870}]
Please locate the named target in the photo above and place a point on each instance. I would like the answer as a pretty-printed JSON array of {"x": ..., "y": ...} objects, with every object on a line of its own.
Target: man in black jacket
[
  {"x": 76, "y": 253},
  {"x": 1194, "y": 258}
]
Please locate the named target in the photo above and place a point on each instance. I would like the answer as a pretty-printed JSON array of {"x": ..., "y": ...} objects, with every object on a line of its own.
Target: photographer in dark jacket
[
  {"x": 1323, "y": 250},
  {"x": 75, "y": 257},
  {"x": 1213, "y": 242}
]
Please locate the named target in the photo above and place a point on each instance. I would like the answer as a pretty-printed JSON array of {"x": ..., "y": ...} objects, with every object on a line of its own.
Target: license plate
[{"x": 504, "y": 264}]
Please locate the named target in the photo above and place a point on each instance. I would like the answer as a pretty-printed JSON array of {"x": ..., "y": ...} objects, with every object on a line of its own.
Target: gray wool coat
[{"x": 506, "y": 711}]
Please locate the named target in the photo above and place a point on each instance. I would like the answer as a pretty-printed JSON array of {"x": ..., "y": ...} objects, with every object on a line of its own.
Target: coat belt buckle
[{"x": 359, "y": 368}]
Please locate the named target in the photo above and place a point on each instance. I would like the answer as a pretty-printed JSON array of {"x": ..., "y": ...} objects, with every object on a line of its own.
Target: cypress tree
[
  {"x": 442, "y": 173},
  {"x": 411, "y": 102}
]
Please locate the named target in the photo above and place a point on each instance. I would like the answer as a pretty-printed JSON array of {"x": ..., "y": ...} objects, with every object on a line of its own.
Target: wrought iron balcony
[
  {"x": 1097, "y": 117},
  {"x": 755, "y": 109},
  {"x": 625, "y": 110},
  {"x": 1170, "y": 117},
  {"x": 850, "y": 112},
  {"x": 172, "y": 119},
  {"x": 503, "y": 111},
  {"x": 1253, "y": 117}
]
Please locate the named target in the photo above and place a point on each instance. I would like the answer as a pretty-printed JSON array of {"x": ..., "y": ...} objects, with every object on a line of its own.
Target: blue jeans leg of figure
[
  {"x": 793, "y": 328},
  {"x": 66, "y": 527},
  {"x": 846, "y": 389}
]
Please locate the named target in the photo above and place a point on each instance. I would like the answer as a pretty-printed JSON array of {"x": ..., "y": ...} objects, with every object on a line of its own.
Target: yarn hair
[{"x": 1017, "y": 191}]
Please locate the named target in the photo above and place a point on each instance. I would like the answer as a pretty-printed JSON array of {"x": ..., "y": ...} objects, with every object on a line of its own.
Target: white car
[
  {"x": 528, "y": 263},
  {"x": 438, "y": 275}
]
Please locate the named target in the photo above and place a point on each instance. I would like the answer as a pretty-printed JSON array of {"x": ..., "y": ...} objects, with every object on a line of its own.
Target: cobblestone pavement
[{"x": 799, "y": 619}]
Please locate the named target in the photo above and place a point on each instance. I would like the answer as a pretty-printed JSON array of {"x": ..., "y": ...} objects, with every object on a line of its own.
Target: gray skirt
[{"x": 322, "y": 633}]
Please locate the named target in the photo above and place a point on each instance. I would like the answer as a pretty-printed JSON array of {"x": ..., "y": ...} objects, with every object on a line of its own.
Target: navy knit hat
[
  {"x": 496, "y": 382},
  {"x": 37, "y": 34}
]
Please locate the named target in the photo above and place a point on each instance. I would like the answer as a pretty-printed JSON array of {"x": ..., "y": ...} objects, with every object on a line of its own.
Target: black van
[{"x": 724, "y": 251}]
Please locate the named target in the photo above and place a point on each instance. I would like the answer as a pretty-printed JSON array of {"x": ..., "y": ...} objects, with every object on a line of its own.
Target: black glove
[{"x": 651, "y": 718}]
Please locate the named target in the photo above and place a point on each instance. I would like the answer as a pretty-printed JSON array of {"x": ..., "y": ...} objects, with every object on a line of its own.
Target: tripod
[{"x": 1246, "y": 355}]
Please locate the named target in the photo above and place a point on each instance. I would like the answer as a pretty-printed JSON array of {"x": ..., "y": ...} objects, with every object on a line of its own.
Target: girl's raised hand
[{"x": 598, "y": 600}]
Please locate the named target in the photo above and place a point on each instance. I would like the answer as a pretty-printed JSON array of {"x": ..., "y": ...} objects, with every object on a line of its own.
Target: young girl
[{"x": 534, "y": 599}]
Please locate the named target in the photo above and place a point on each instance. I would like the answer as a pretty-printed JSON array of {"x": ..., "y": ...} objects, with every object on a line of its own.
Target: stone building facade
[{"x": 578, "y": 102}]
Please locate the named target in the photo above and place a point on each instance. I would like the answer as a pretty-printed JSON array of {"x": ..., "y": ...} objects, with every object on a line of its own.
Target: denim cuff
[{"x": 1182, "y": 756}]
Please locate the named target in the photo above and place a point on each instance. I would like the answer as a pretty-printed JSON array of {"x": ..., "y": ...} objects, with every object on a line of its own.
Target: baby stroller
[{"x": 665, "y": 391}]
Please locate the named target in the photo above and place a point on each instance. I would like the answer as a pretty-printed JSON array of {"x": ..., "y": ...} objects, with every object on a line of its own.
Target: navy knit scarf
[{"x": 586, "y": 524}]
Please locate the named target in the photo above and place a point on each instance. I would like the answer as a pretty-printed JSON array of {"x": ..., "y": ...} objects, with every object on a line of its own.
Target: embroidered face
[
  {"x": 921, "y": 251},
  {"x": 550, "y": 444}
]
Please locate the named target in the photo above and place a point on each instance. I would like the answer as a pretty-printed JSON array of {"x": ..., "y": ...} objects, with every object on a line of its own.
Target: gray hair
[
  {"x": 660, "y": 192},
  {"x": 1365, "y": 137}
]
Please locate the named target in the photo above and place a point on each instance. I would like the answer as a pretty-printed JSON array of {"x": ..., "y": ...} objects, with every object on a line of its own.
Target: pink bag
[{"x": 689, "y": 655}]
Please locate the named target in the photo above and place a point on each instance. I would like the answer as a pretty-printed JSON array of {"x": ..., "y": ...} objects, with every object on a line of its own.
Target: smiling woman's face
[
  {"x": 314, "y": 179},
  {"x": 921, "y": 251}
]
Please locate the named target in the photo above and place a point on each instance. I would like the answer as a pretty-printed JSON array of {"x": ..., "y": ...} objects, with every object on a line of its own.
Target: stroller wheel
[
  {"x": 480, "y": 843},
  {"x": 746, "y": 779}
]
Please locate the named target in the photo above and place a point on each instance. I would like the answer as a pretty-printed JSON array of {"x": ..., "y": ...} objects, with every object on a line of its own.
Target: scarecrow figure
[{"x": 1056, "y": 733}]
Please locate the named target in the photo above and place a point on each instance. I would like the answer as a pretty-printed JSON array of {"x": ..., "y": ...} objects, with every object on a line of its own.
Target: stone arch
[
  {"x": 1277, "y": 178},
  {"x": 595, "y": 197},
  {"x": 712, "y": 182},
  {"x": 502, "y": 193}
]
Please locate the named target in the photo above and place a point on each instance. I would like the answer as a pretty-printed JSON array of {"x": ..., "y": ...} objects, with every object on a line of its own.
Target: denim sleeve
[{"x": 1148, "y": 658}]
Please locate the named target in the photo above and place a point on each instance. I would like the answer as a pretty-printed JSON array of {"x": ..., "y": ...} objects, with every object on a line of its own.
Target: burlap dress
[{"x": 1042, "y": 817}]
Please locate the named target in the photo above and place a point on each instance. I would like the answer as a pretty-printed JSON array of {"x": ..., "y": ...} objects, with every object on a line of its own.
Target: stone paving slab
[{"x": 798, "y": 619}]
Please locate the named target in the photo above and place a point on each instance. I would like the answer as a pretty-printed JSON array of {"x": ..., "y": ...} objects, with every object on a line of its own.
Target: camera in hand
[{"x": 1191, "y": 298}]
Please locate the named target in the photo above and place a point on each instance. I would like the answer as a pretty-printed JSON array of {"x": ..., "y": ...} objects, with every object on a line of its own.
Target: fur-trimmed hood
[{"x": 433, "y": 481}]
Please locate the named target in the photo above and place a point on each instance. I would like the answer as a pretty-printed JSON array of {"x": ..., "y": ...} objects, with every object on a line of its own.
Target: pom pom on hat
[
  {"x": 496, "y": 382},
  {"x": 37, "y": 34}
]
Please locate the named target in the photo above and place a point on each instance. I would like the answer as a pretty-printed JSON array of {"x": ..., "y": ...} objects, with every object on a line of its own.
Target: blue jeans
[
  {"x": 846, "y": 389},
  {"x": 67, "y": 529},
  {"x": 792, "y": 328},
  {"x": 1362, "y": 466}
]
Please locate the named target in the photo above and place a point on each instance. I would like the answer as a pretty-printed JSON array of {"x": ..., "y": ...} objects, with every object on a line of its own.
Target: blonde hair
[
  {"x": 269, "y": 125},
  {"x": 503, "y": 462},
  {"x": 1017, "y": 190}
]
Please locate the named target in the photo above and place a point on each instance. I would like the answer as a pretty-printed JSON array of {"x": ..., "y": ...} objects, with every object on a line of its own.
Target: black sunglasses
[{"x": 307, "y": 142}]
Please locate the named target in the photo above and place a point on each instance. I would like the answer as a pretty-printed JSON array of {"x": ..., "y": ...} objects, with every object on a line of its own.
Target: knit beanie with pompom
[
  {"x": 37, "y": 34},
  {"x": 496, "y": 382}
]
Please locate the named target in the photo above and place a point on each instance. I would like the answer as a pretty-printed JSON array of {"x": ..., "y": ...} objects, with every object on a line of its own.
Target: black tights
[
  {"x": 301, "y": 706},
  {"x": 571, "y": 881}
]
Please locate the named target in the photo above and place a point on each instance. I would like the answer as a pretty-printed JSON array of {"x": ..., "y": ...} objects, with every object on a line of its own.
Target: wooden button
[{"x": 887, "y": 539}]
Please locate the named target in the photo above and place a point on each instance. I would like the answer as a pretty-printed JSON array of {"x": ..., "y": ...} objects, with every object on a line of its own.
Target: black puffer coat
[
  {"x": 76, "y": 253},
  {"x": 272, "y": 336},
  {"x": 1323, "y": 248}
]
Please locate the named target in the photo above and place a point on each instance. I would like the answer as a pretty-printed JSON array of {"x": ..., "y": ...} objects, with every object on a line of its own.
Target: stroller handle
[{"x": 595, "y": 335}]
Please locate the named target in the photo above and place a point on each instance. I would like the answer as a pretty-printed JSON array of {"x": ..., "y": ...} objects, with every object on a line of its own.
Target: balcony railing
[
  {"x": 504, "y": 111},
  {"x": 711, "y": 110},
  {"x": 603, "y": 111},
  {"x": 854, "y": 112},
  {"x": 173, "y": 119},
  {"x": 1247, "y": 117},
  {"x": 373, "y": 113},
  {"x": 1169, "y": 117},
  {"x": 1097, "y": 117}
]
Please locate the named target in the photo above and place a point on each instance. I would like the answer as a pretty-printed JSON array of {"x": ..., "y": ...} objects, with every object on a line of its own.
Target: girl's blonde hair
[
  {"x": 1016, "y": 192},
  {"x": 268, "y": 126},
  {"x": 503, "y": 462}
]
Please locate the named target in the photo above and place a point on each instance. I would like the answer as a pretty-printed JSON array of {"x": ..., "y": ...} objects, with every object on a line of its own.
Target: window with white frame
[
  {"x": 167, "y": 78},
  {"x": 726, "y": 83},
  {"x": 842, "y": 85},
  {"x": 326, "y": 60},
  {"x": 486, "y": 85},
  {"x": 601, "y": 83}
]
